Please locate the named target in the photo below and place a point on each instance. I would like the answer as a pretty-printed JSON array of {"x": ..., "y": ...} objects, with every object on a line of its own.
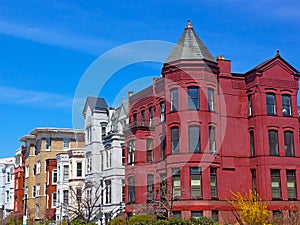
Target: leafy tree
[{"x": 249, "y": 208}]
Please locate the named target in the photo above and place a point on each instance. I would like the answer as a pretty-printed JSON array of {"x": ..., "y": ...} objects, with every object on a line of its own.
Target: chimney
[
  {"x": 224, "y": 65},
  {"x": 130, "y": 93}
]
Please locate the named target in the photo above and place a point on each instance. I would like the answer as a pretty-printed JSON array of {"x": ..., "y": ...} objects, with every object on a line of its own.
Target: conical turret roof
[{"x": 189, "y": 46}]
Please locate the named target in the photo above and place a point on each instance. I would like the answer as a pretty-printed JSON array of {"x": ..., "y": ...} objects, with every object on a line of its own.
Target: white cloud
[
  {"x": 57, "y": 38},
  {"x": 13, "y": 96}
]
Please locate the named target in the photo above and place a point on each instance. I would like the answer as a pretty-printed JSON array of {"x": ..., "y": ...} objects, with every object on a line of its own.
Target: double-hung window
[
  {"x": 174, "y": 100},
  {"x": 286, "y": 105},
  {"x": 252, "y": 148},
  {"x": 273, "y": 142},
  {"x": 289, "y": 143},
  {"x": 212, "y": 139},
  {"x": 249, "y": 105},
  {"x": 131, "y": 190},
  {"x": 195, "y": 177},
  {"x": 131, "y": 150},
  {"x": 291, "y": 184},
  {"x": 271, "y": 104},
  {"x": 176, "y": 184},
  {"x": 194, "y": 139},
  {"x": 175, "y": 139},
  {"x": 150, "y": 149},
  {"x": 275, "y": 184},
  {"x": 210, "y": 98},
  {"x": 193, "y": 98},
  {"x": 150, "y": 188}
]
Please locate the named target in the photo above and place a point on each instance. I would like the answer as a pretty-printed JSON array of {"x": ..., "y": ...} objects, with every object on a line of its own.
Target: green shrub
[
  {"x": 117, "y": 221},
  {"x": 178, "y": 221},
  {"x": 202, "y": 221},
  {"x": 80, "y": 221},
  {"x": 142, "y": 220}
]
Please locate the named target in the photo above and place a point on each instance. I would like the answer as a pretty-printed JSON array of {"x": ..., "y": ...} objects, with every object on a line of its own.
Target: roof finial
[
  {"x": 277, "y": 52},
  {"x": 189, "y": 25}
]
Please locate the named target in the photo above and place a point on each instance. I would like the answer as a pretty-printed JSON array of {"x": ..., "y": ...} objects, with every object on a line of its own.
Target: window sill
[{"x": 196, "y": 198}]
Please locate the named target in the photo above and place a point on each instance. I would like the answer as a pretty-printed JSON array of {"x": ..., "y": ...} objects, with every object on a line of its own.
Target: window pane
[
  {"x": 175, "y": 139},
  {"x": 195, "y": 179},
  {"x": 275, "y": 184},
  {"x": 131, "y": 190},
  {"x": 196, "y": 214},
  {"x": 286, "y": 105},
  {"x": 194, "y": 139},
  {"x": 249, "y": 105},
  {"x": 131, "y": 150},
  {"x": 79, "y": 169},
  {"x": 210, "y": 97},
  {"x": 215, "y": 215},
  {"x": 271, "y": 104},
  {"x": 150, "y": 188},
  {"x": 252, "y": 149},
  {"x": 212, "y": 140},
  {"x": 162, "y": 111},
  {"x": 289, "y": 143},
  {"x": 273, "y": 142},
  {"x": 213, "y": 182},
  {"x": 174, "y": 100},
  {"x": 176, "y": 184},
  {"x": 149, "y": 150},
  {"x": 193, "y": 98},
  {"x": 291, "y": 184}
]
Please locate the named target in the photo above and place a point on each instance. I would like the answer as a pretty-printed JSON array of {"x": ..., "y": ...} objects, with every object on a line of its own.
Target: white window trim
[
  {"x": 38, "y": 190},
  {"x": 38, "y": 167},
  {"x": 26, "y": 171},
  {"x": 69, "y": 143},
  {"x": 54, "y": 206},
  {"x": 53, "y": 176}
]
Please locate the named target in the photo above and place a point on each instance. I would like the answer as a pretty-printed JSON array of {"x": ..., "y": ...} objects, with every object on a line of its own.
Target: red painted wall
[
  {"x": 19, "y": 176},
  {"x": 232, "y": 123},
  {"x": 51, "y": 164}
]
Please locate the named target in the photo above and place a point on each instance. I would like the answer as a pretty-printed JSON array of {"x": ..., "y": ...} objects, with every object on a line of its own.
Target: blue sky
[{"x": 46, "y": 46}]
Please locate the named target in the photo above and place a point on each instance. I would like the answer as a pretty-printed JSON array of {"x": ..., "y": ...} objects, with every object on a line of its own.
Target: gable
[
  {"x": 274, "y": 72},
  {"x": 279, "y": 70}
]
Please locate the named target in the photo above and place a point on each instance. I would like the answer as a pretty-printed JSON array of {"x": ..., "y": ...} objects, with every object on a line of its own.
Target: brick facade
[{"x": 201, "y": 130}]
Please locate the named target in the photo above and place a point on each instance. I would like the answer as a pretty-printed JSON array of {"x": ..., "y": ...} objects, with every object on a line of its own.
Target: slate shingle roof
[
  {"x": 96, "y": 103},
  {"x": 189, "y": 46}
]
